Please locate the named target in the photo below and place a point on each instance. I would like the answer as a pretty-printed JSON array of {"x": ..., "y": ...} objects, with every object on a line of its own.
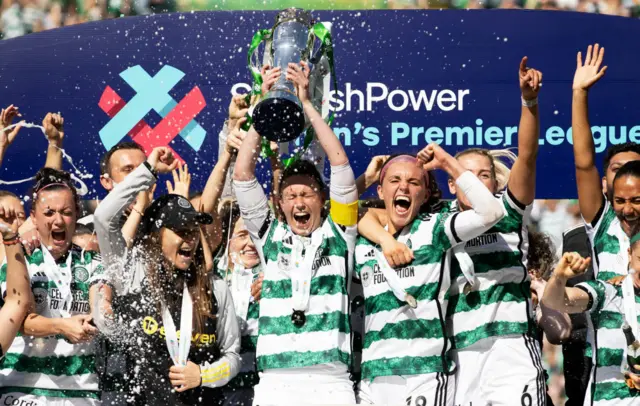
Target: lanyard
[
  {"x": 303, "y": 268},
  {"x": 466, "y": 267},
  {"x": 61, "y": 278},
  {"x": 629, "y": 299},
  {"x": 241, "y": 280},
  {"x": 394, "y": 282},
  {"x": 179, "y": 348}
]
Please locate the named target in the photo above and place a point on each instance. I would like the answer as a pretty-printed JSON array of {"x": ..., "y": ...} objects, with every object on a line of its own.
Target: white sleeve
[
  {"x": 342, "y": 187},
  {"x": 254, "y": 207},
  {"x": 486, "y": 211},
  {"x": 106, "y": 218},
  {"x": 220, "y": 372},
  {"x": 227, "y": 189}
]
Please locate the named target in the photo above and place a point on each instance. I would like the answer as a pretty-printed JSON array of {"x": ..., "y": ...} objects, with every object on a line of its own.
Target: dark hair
[
  {"x": 84, "y": 229},
  {"x": 631, "y": 168},
  {"x": 304, "y": 168},
  {"x": 435, "y": 194},
  {"x": 165, "y": 281},
  {"x": 105, "y": 162},
  {"x": 618, "y": 149},
  {"x": 53, "y": 179},
  {"x": 541, "y": 256}
]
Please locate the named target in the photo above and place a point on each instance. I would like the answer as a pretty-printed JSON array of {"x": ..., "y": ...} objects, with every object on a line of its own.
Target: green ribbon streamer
[
  {"x": 257, "y": 39},
  {"x": 323, "y": 34}
]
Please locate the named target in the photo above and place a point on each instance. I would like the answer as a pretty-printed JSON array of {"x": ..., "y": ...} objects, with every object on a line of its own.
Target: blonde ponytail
[{"x": 501, "y": 161}]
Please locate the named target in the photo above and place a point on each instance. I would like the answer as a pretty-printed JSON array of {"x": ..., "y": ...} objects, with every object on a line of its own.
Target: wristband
[
  {"x": 529, "y": 103},
  {"x": 150, "y": 168},
  {"x": 137, "y": 211},
  {"x": 11, "y": 241}
]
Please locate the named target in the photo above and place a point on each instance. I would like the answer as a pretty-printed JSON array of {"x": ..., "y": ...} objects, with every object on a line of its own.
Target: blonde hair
[{"x": 501, "y": 161}]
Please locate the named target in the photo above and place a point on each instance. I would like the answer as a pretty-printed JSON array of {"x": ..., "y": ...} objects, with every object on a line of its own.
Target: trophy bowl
[{"x": 279, "y": 116}]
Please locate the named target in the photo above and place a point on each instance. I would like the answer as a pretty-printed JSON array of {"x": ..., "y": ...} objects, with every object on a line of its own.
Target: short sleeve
[{"x": 600, "y": 294}]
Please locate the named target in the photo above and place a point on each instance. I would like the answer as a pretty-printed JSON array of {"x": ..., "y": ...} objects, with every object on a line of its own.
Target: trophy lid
[{"x": 295, "y": 14}]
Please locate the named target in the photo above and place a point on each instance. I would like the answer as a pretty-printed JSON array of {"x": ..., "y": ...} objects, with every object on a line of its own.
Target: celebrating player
[
  {"x": 406, "y": 353},
  {"x": 303, "y": 347}
]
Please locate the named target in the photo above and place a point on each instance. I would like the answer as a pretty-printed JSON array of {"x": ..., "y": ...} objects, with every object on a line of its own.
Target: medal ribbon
[
  {"x": 394, "y": 281},
  {"x": 179, "y": 348},
  {"x": 303, "y": 268},
  {"x": 62, "y": 279}
]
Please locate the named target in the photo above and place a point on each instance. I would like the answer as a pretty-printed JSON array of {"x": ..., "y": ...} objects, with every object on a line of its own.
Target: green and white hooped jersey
[
  {"x": 248, "y": 376},
  {"x": 501, "y": 305},
  {"x": 399, "y": 340},
  {"x": 610, "y": 244},
  {"x": 325, "y": 336},
  {"x": 52, "y": 366},
  {"x": 607, "y": 317}
]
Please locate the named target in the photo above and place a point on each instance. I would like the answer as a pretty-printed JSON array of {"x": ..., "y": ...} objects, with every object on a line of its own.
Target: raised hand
[
  {"x": 10, "y": 222},
  {"x": 181, "y": 182},
  {"x": 299, "y": 75},
  {"x": 54, "y": 128},
  {"x": 530, "y": 80},
  {"x": 433, "y": 157},
  {"x": 236, "y": 136},
  {"x": 269, "y": 77},
  {"x": 589, "y": 73},
  {"x": 162, "y": 160},
  {"x": 238, "y": 107},
  {"x": 372, "y": 173},
  {"x": 571, "y": 265},
  {"x": 6, "y": 118}
]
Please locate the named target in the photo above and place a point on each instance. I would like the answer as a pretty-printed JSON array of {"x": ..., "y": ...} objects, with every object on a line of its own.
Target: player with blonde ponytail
[{"x": 489, "y": 310}]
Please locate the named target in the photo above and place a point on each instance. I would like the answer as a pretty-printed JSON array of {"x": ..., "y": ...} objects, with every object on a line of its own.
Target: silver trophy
[{"x": 279, "y": 116}]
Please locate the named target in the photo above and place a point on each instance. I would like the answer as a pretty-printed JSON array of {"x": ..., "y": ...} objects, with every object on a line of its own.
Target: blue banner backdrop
[{"x": 405, "y": 78}]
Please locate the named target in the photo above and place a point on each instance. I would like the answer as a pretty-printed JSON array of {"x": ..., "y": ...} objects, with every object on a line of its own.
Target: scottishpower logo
[{"x": 152, "y": 93}]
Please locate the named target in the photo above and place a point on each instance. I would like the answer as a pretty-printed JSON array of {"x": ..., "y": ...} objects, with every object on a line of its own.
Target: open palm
[{"x": 589, "y": 73}]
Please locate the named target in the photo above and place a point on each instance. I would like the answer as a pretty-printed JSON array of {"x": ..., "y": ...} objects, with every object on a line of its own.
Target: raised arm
[
  {"x": 371, "y": 174},
  {"x": 7, "y": 136},
  {"x": 18, "y": 288},
  {"x": 590, "y": 195},
  {"x": 54, "y": 130},
  {"x": 108, "y": 214},
  {"x": 485, "y": 211},
  {"x": 522, "y": 180},
  {"x": 331, "y": 144},
  {"x": 557, "y": 295},
  {"x": 251, "y": 197},
  {"x": 130, "y": 227}
]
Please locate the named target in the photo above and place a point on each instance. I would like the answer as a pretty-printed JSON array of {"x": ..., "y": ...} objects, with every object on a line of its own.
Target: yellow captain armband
[{"x": 344, "y": 214}]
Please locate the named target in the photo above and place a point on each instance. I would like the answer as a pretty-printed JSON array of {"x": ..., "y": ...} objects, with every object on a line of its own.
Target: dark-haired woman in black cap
[{"x": 179, "y": 324}]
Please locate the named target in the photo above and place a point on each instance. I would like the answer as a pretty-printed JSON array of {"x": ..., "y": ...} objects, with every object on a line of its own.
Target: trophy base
[{"x": 278, "y": 119}]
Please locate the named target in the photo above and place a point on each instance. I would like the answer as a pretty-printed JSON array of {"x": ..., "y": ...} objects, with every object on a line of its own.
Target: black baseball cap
[{"x": 173, "y": 212}]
